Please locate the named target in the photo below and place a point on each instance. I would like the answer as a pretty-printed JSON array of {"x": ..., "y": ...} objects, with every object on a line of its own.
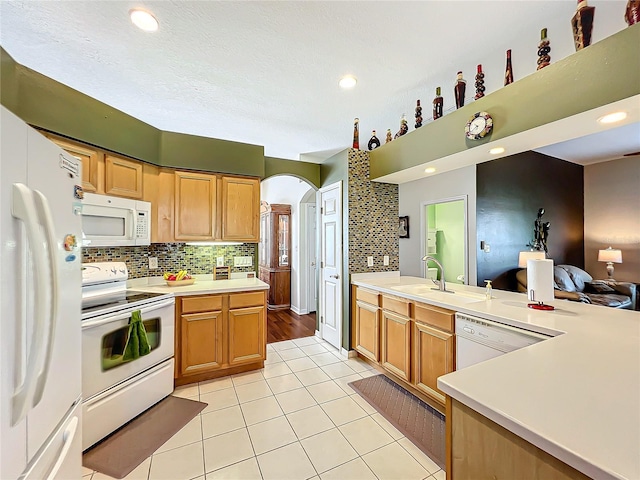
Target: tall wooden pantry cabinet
[{"x": 274, "y": 255}]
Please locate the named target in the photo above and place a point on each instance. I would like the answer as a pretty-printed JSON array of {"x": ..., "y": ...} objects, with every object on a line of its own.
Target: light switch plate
[
  {"x": 220, "y": 262},
  {"x": 385, "y": 260},
  {"x": 153, "y": 263},
  {"x": 370, "y": 261}
]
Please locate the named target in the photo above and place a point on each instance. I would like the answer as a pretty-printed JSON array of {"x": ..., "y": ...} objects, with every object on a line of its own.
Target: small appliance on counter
[{"x": 116, "y": 384}]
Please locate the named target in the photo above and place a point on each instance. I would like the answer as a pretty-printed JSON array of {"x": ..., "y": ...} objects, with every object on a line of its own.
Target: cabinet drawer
[
  {"x": 436, "y": 316},
  {"x": 397, "y": 305},
  {"x": 206, "y": 303},
  {"x": 367, "y": 296},
  {"x": 242, "y": 300}
]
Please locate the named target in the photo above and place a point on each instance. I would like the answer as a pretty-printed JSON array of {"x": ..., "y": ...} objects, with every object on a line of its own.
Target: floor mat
[
  {"x": 417, "y": 420},
  {"x": 126, "y": 448}
]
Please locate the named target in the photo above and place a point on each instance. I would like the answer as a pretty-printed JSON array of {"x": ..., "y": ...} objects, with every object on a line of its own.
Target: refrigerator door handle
[
  {"x": 23, "y": 208},
  {"x": 69, "y": 434},
  {"x": 46, "y": 220}
]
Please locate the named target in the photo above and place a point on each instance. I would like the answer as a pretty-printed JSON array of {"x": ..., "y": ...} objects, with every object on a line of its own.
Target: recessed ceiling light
[
  {"x": 613, "y": 117},
  {"x": 348, "y": 81},
  {"x": 496, "y": 151},
  {"x": 429, "y": 170},
  {"x": 143, "y": 20}
]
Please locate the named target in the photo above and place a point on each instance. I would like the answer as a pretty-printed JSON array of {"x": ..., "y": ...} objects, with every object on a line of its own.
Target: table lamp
[
  {"x": 529, "y": 255},
  {"x": 610, "y": 256}
]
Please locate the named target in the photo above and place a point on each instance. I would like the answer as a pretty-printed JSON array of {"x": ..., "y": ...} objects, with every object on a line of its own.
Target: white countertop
[
  {"x": 575, "y": 396},
  {"x": 203, "y": 285}
]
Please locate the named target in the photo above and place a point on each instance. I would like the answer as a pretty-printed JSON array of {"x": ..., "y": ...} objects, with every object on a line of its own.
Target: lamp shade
[
  {"x": 613, "y": 255},
  {"x": 529, "y": 255}
]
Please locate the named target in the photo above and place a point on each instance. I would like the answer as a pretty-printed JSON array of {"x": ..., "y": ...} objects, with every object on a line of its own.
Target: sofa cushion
[
  {"x": 610, "y": 300},
  {"x": 577, "y": 275},
  {"x": 598, "y": 287},
  {"x": 563, "y": 280}
]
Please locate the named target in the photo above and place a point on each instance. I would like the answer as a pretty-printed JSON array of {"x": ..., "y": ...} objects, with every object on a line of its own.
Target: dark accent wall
[{"x": 509, "y": 193}]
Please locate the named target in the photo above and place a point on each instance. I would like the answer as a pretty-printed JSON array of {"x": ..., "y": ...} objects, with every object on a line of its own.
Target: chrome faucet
[{"x": 441, "y": 284}]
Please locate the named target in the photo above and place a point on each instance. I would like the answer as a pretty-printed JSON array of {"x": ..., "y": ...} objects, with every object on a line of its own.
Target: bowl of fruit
[{"x": 180, "y": 279}]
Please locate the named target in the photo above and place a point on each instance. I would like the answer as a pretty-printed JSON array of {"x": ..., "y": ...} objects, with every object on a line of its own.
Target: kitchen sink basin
[{"x": 426, "y": 290}]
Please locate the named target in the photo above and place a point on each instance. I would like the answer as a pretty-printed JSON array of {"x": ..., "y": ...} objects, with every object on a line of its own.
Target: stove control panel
[{"x": 104, "y": 272}]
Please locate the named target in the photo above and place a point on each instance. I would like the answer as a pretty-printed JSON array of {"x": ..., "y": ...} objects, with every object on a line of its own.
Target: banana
[
  {"x": 181, "y": 274},
  {"x": 166, "y": 275}
]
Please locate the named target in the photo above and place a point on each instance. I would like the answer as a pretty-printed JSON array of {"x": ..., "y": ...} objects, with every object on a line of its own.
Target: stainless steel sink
[{"x": 429, "y": 292}]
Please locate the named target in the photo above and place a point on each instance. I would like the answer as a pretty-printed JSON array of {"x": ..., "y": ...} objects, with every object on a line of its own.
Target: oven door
[{"x": 104, "y": 339}]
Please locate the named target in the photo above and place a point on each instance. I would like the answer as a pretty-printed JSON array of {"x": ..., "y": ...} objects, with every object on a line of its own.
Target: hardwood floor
[{"x": 286, "y": 325}]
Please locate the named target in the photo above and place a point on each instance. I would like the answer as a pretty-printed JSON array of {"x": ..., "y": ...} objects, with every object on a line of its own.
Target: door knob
[{"x": 334, "y": 276}]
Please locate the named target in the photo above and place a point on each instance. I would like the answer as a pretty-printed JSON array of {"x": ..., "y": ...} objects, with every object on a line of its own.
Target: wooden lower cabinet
[
  {"x": 433, "y": 357},
  {"x": 279, "y": 287},
  {"x": 368, "y": 330},
  {"x": 213, "y": 338},
  {"x": 201, "y": 341},
  {"x": 246, "y": 335},
  {"x": 396, "y": 344}
]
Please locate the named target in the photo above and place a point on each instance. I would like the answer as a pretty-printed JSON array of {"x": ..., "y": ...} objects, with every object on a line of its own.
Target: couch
[{"x": 573, "y": 283}]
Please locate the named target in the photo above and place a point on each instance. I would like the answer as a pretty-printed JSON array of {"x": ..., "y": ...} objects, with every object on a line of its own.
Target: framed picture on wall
[{"x": 403, "y": 227}]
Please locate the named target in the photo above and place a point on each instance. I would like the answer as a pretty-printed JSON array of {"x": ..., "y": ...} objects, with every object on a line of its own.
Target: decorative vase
[
  {"x": 404, "y": 128},
  {"x": 418, "y": 114},
  {"x": 479, "y": 83},
  {"x": 356, "y": 135},
  {"x": 632, "y": 13},
  {"x": 373, "y": 141},
  {"x": 508, "y": 74},
  {"x": 459, "y": 90},
  {"x": 389, "y": 138},
  {"x": 544, "y": 59},
  {"x": 437, "y": 104},
  {"x": 582, "y": 24}
]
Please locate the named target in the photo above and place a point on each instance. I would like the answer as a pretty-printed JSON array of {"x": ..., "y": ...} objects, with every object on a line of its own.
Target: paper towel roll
[{"x": 540, "y": 280}]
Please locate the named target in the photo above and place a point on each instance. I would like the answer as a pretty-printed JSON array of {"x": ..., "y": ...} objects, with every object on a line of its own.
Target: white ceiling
[{"x": 266, "y": 73}]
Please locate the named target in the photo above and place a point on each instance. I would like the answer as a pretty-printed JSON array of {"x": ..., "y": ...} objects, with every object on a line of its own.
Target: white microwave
[{"x": 114, "y": 221}]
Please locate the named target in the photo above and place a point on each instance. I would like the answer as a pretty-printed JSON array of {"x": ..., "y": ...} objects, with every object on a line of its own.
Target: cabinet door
[
  {"x": 195, "y": 206},
  {"x": 396, "y": 344},
  {"x": 240, "y": 209},
  {"x": 201, "y": 342},
  {"x": 246, "y": 335},
  {"x": 92, "y": 180},
  {"x": 433, "y": 350},
  {"x": 368, "y": 330},
  {"x": 123, "y": 177}
]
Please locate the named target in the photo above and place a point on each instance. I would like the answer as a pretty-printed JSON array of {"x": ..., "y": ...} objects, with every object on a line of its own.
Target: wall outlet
[
  {"x": 153, "y": 263},
  {"x": 487, "y": 247},
  {"x": 369, "y": 261},
  {"x": 220, "y": 262},
  {"x": 385, "y": 260}
]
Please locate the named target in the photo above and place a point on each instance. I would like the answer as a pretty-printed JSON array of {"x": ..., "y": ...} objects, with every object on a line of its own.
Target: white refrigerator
[{"x": 40, "y": 294}]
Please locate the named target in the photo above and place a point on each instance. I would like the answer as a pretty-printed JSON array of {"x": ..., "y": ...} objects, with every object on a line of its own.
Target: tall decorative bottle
[
  {"x": 479, "y": 83},
  {"x": 437, "y": 104},
  {"x": 544, "y": 59},
  {"x": 418, "y": 114},
  {"x": 632, "y": 12},
  {"x": 582, "y": 24},
  {"x": 356, "y": 134},
  {"x": 459, "y": 90},
  {"x": 508, "y": 74},
  {"x": 404, "y": 127}
]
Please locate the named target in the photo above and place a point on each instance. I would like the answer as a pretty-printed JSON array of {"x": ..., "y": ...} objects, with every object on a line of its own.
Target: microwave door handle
[
  {"x": 23, "y": 208},
  {"x": 132, "y": 224},
  {"x": 46, "y": 220}
]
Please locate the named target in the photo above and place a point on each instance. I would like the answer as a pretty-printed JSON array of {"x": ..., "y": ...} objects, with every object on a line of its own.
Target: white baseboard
[
  {"x": 318, "y": 334},
  {"x": 297, "y": 311}
]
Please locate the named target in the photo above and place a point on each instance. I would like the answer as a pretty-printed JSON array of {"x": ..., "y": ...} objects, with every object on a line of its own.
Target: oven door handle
[{"x": 108, "y": 318}]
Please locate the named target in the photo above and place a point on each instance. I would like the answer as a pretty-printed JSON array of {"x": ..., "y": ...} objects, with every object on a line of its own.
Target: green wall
[
  {"x": 449, "y": 221},
  {"x": 605, "y": 72},
  {"x": 55, "y": 107}
]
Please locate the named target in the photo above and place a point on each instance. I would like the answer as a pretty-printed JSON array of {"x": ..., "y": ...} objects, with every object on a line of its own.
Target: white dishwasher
[{"x": 478, "y": 339}]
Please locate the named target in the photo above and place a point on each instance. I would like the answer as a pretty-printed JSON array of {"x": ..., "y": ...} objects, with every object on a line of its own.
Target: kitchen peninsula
[
  {"x": 575, "y": 396},
  {"x": 221, "y": 325}
]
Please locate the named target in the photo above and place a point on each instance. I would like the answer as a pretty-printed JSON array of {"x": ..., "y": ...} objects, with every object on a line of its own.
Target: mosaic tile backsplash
[
  {"x": 173, "y": 257},
  {"x": 373, "y": 218}
]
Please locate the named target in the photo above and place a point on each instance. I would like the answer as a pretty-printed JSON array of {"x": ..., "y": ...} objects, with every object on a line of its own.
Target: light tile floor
[{"x": 295, "y": 419}]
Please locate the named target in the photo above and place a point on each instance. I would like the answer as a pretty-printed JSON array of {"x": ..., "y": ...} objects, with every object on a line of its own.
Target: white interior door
[{"x": 331, "y": 264}]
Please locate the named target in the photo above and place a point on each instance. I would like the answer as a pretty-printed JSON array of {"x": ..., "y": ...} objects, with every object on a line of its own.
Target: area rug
[
  {"x": 417, "y": 420},
  {"x": 126, "y": 448}
]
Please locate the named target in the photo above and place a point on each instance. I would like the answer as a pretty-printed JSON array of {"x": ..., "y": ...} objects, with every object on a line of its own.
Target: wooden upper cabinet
[
  {"x": 92, "y": 166},
  {"x": 123, "y": 177},
  {"x": 240, "y": 209},
  {"x": 195, "y": 206}
]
